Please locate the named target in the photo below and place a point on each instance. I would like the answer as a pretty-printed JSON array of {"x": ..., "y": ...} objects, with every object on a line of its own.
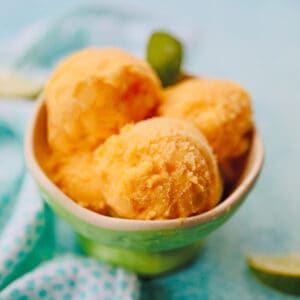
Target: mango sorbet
[
  {"x": 220, "y": 109},
  {"x": 159, "y": 168},
  {"x": 95, "y": 92},
  {"x": 77, "y": 177}
]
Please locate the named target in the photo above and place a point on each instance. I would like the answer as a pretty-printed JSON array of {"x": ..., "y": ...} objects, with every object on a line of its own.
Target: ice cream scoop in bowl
[{"x": 147, "y": 247}]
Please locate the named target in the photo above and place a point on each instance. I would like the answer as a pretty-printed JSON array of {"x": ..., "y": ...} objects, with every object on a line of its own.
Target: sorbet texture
[
  {"x": 160, "y": 168},
  {"x": 95, "y": 92},
  {"x": 220, "y": 109},
  {"x": 77, "y": 177}
]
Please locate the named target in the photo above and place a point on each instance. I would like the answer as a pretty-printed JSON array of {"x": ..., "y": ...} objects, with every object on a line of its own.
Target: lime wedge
[
  {"x": 15, "y": 85},
  {"x": 281, "y": 272},
  {"x": 165, "y": 53}
]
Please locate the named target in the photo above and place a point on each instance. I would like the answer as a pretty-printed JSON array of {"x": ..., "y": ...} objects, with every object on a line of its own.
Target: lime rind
[
  {"x": 287, "y": 265},
  {"x": 165, "y": 55},
  {"x": 280, "y": 272}
]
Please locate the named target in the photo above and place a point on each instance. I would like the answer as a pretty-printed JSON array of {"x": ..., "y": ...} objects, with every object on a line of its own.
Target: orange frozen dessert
[
  {"x": 107, "y": 151},
  {"x": 90, "y": 96},
  {"x": 220, "y": 109},
  {"x": 95, "y": 92},
  {"x": 160, "y": 168},
  {"x": 74, "y": 174},
  {"x": 77, "y": 177}
]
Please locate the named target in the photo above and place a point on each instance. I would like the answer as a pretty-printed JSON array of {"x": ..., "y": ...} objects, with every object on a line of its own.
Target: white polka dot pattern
[
  {"x": 74, "y": 277},
  {"x": 22, "y": 231}
]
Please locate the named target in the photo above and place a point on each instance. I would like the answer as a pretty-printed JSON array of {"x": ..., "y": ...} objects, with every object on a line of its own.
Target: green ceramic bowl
[{"x": 146, "y": 247}]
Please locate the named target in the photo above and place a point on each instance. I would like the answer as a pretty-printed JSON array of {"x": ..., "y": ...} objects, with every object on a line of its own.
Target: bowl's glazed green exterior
[
  {"x": 147, "y": 247},
  {"x": 143, "y": 240},
  {"x": 147, "y": 252}
]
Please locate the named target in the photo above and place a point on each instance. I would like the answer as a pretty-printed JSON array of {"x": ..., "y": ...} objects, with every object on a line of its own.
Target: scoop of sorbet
[
  {"x": 220, "y": 109},
  {"x": 95, "y": 92},
  {"x": 160, "y": 168}
]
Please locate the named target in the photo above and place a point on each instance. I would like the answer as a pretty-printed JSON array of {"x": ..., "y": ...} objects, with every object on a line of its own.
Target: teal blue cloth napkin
[{"x": 39, "y": 254}]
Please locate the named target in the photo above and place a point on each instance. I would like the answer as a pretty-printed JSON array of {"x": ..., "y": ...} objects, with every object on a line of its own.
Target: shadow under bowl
[{"x": 147, "y": 247}]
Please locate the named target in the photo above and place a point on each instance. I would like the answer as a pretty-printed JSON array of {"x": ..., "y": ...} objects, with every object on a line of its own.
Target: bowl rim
[{"x": 120, "y": 224}]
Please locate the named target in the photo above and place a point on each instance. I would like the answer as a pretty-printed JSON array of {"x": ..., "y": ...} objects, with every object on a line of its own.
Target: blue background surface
[{"x": 256, "y": 43}]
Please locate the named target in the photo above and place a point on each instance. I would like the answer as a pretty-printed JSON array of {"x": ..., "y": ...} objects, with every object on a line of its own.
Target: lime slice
[
  {"x": 15, "y": 85},
  {"x": 164, "y": 53},
  {"x": 281, "y": 272}
]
